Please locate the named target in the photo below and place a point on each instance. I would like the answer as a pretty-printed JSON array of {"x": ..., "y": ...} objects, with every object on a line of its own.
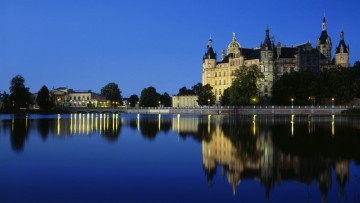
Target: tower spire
[
  {"x": 234, "y": 39},
  {"x": 324, "y": 23}
]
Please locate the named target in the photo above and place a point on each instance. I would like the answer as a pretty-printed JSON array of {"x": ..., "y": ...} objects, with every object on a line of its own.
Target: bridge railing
[{"x": 217, "y": 107}]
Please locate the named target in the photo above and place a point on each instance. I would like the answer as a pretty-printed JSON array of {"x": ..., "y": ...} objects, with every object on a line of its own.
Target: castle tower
[
  {"x": 209, "y": 63},
  {"x": 342, "y": 52},
  {"x": 324, "y": 42},
  {"x": 267, "y": 65}
]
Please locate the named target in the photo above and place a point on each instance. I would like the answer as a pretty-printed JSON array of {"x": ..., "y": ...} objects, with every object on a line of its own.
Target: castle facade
[{"x": 273, "y": 60}]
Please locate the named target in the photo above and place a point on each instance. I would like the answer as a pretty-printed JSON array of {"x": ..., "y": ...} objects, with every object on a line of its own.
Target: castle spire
[
  {"x": 324, "y": 23},
  {"x": 342, "y": 34},
  {"x": 234, "y": 39},
  {"x": 210, "y": 42}
]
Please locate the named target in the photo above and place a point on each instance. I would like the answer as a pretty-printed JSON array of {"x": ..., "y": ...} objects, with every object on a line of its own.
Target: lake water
[{"x": 172, "y": 158}]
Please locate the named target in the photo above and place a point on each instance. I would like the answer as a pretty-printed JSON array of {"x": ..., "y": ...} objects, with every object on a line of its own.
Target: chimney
[{"x": 278, "y": 49}]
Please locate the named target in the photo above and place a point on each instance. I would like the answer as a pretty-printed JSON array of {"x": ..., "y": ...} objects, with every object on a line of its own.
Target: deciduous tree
[
  {"x": 19, "y": 94},
  {"x": 133, "y": 100},
  {"x": 43, "y": 98},
  {"x": 112, "y": 92},
  {"x": 244, "y": 89},
  {"x": 149, "y": 97},
  {"x": 206, "y": 96}
]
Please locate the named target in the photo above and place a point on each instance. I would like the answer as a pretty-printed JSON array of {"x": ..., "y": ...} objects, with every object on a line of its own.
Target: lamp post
[
  {"x": 254, "y": 100},
  {"x": 208, "y": 106},
  {"x": 138, "y": 106},
  {"x": 292, "y": 103},
  {"x": 333, "y": 103},
  {"x": 159, "y": 106}
]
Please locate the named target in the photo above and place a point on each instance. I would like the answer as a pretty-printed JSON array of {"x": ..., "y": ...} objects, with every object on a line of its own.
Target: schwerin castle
[{"x": 273, "y": 60}]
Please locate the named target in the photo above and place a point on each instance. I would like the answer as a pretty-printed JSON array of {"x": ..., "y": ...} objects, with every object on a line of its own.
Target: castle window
[
  {"x": 219, "y": 82},
  {"x": 215, "y": 74},
  {"x": 224, "y": 82},
  {"x": 224, "y": 73},
  {"x": 215, "y": 82},
  {"x": 219, "y": 74},
  {"x": 266, "y": 77},
  {"x": 208, "y": 75},
  {"x": 220, "y": 91}
]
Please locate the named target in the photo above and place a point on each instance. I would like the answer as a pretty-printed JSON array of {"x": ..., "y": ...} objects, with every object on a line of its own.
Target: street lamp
[
  {"x": 178, "y": 103},
  {"x": 209, "y": 103},
  {"x": 292, "y": 102},
  {"x": 333, "y": 101}
]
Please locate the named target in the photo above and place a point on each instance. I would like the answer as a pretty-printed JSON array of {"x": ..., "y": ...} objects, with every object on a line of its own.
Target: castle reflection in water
[{"x": 269, "y": 149}]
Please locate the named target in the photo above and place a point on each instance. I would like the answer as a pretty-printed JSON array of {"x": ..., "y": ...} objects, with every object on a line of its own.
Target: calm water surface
[{"x": 167, "y": 158}]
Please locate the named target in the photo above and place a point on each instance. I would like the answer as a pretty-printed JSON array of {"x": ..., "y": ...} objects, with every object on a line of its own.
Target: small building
[
  {"x": 65, "y": 97},
  {"x": 185, "y": 100}
]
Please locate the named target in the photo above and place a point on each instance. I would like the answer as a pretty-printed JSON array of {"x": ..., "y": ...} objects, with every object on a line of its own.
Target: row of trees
[
  {"x": 19, "y": 96},
  {"x": 307, "y": 88}
]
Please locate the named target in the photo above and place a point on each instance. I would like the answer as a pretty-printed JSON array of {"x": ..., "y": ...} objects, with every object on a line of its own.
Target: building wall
[{"x": 184, "y": 101}]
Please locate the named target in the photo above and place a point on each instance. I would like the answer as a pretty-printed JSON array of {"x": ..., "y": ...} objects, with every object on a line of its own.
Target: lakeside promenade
[{"x": 222, "y": 110}]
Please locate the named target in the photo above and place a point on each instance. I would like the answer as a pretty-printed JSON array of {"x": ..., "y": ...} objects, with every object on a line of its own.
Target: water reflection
[{"x": 269, "y": 149}]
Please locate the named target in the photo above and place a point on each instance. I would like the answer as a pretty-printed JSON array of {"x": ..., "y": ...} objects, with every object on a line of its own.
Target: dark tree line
[
  {"x": 19, "y": 96},
  {"x": 149, "y": 97},
  {"x": 308, "y": 88},
  {"x": 194, "y": 90}
]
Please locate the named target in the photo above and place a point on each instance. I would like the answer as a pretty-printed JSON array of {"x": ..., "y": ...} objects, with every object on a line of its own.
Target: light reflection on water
[{"x": 275, "y": 152}]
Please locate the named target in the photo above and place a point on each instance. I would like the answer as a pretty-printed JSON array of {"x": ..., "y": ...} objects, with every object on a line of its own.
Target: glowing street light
[{"x": 292, "y": 102}]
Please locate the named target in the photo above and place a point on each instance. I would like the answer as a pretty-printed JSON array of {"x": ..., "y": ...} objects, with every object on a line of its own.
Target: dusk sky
[{"x": 84, "y": 45}]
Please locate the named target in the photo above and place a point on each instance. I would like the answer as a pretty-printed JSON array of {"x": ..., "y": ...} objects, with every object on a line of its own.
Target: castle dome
[{"x": 234, "y": 46}]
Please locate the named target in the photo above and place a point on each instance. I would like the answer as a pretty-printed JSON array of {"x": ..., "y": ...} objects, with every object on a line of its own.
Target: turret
[
  {"x": 267, "y": 48},
  {"x": 209, "y": 59},
  {"x": 267, "y": 65},
  {"x": 342, "y": 52},
  {"x": 324, "y": 42}
]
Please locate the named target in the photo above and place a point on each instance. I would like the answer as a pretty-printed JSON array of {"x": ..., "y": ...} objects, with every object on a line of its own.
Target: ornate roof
[
  {"x": 234, "y": 46},
  {"x": 341, "y": 44}
]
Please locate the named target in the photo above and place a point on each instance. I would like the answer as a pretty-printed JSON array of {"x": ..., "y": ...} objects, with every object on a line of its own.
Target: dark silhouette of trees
[
  {"x": 149, "y": 97},
  {"x": 197, "y": 88},
  {"x": 19, "y": 94},
  {"x": 244, "y": 89},
  {"x": 133, "y": 100},
  {"x": 194, "y": 90},
  {"x": 165, "y": 99},
  {"x": 299, "y": 85},
  {"x": 206, "y": 96},
  {"x": 185, "y": 91},
  {"x": 112, "y": 92},
  {"x": 304, "y": 86},
  {"x": 43, "y": 99}
]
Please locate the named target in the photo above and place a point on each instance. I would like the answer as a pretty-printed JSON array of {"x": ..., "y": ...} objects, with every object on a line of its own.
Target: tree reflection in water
[
  {"x": 19, "y": 133},
  {"x": 270, "y": 149}
]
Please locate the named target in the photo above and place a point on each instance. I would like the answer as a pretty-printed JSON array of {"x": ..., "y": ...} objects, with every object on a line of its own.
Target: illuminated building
[{"x": 272, "y": 59}]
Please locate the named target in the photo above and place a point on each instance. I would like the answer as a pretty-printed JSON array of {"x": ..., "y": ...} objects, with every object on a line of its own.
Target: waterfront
[{"x": 162, "y": 158}]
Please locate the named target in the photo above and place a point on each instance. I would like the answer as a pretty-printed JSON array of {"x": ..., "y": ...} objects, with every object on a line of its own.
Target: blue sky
[{"x": 86, "y": 44}]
